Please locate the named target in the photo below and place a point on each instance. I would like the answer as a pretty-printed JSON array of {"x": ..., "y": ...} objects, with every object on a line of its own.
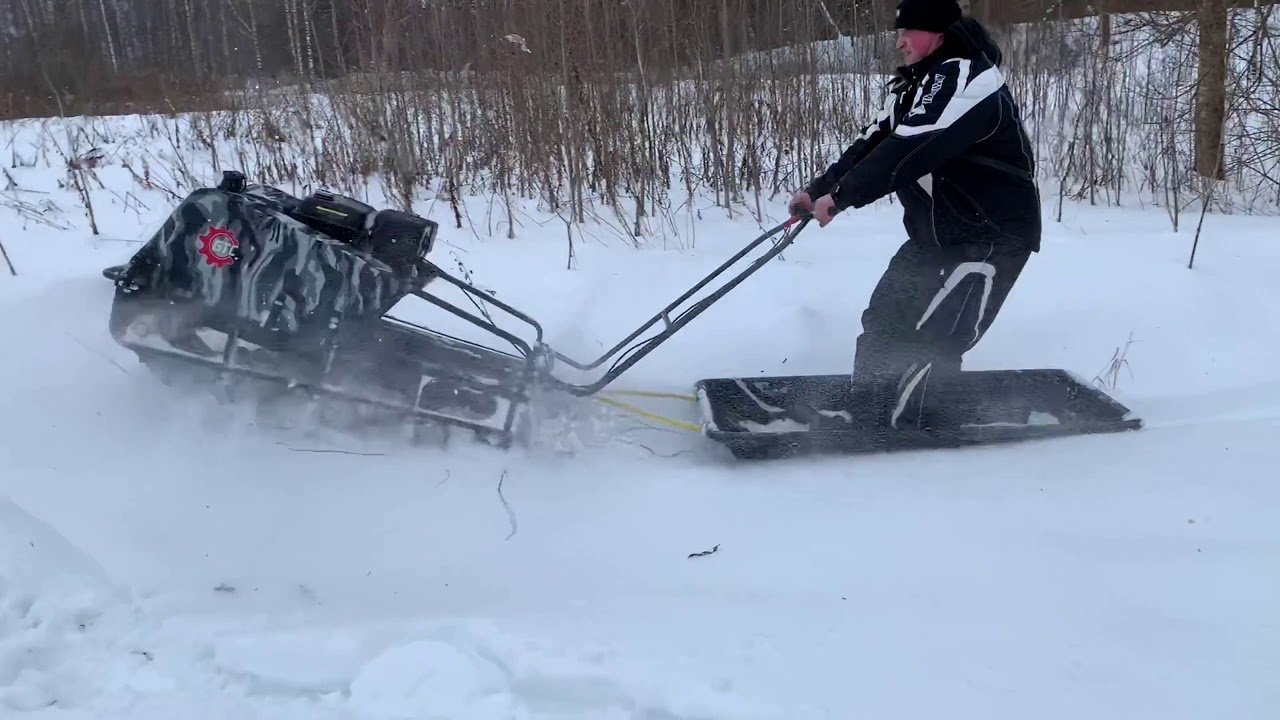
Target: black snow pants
[{"x": 930, "y": 307}]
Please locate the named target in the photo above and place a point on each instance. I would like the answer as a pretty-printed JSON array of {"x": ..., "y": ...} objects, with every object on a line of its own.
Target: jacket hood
[{"x": 970, "y": 39}]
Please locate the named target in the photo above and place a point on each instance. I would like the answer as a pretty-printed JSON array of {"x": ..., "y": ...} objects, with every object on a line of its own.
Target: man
[{"x": 950, "y": 143}]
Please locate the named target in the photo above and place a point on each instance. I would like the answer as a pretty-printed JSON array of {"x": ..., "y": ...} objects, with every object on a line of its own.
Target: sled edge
[{"x": 1089, "y": 411}]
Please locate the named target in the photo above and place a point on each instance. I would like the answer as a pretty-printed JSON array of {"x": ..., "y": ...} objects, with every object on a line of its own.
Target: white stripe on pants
[
  {"x": 914, "y": 377},
  {"x": 963, "y": 270}
]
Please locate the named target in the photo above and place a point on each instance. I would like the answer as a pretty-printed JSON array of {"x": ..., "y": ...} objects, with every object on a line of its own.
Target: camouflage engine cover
[{"x": 238, "y": 259}]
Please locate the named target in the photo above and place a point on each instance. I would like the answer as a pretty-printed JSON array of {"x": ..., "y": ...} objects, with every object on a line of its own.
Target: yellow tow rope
[{"x": 628, "y": 407}]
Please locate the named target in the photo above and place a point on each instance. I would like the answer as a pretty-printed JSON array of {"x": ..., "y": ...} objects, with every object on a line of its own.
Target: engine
[{"x": 397, "y": 238}]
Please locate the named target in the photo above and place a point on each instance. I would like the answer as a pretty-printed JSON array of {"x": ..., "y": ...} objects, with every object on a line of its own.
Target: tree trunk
[{"x": 1211, "y": 90}]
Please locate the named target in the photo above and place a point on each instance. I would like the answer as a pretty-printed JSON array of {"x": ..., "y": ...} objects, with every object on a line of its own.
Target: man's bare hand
[
  {"x": 824, "y": 211},
  {"x": 800, "y": 203}
]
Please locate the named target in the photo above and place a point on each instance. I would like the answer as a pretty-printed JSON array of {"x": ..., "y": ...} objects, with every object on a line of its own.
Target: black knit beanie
[{"x": 928, "y": 15}]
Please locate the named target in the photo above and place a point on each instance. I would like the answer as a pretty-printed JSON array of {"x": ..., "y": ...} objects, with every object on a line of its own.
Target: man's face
[{"x": 917, "y": 44}]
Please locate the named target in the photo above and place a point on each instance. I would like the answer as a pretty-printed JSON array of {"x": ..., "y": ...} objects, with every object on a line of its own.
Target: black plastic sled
[{"x": 778, "y": 417}]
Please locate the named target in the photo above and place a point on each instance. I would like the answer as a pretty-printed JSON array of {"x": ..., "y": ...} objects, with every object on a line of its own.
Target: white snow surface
[{"x": 162, "y": 556}]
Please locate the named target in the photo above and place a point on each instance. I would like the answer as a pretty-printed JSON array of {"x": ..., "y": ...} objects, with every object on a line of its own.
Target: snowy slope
[{"x": 161, "y": 556}]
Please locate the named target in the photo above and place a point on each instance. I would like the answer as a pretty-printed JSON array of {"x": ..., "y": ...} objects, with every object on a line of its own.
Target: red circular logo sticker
[{"x": 218, "y": 245}]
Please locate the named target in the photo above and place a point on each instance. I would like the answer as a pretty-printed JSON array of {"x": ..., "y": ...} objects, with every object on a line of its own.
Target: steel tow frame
[{"x": 541, "y": 358}]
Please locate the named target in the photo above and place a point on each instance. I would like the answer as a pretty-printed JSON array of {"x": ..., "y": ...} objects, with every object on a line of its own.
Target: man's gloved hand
[
  {"x": 824, "y": 210},
  {"x": 800, "y": 203}
]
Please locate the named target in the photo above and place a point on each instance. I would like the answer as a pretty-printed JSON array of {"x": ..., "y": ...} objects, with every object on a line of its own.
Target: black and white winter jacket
[{"x": 950, "y": 142}]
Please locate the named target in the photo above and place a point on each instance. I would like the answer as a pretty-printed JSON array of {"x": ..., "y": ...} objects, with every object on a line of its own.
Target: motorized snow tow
[{"x": 250, "y": 282}]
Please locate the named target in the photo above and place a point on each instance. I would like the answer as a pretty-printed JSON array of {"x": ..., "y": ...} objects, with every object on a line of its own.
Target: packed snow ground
[{"x": 161, "y": 556}]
